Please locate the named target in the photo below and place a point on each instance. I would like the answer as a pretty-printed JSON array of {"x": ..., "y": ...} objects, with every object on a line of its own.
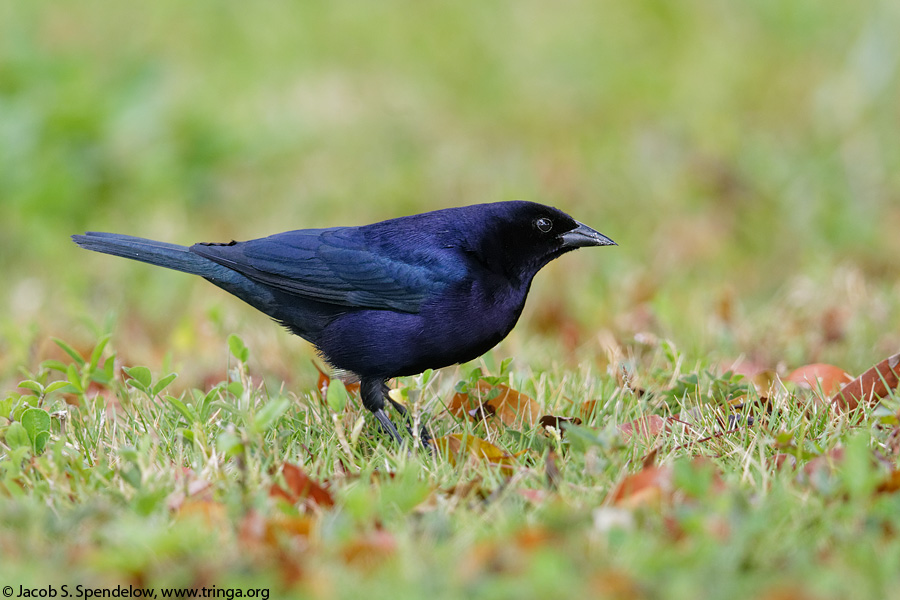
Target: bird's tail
[{"x": 171, "y": 256}]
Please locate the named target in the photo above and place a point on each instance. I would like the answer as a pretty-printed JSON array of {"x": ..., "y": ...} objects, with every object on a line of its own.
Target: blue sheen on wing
[{"x": 355, "y": 267}]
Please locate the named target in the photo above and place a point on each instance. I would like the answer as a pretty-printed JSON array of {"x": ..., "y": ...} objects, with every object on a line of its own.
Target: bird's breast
[{"x": 457, "y": 325}]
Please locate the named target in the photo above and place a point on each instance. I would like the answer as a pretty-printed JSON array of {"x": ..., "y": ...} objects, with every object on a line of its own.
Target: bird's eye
[{"x": 544, "y": 224}]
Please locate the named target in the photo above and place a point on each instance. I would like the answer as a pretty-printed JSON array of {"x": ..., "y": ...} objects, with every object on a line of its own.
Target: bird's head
[{"x": 522, "y": 237}]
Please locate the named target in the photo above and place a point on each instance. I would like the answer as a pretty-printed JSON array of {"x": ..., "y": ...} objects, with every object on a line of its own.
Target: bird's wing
[{"x": 336, "y": 266}]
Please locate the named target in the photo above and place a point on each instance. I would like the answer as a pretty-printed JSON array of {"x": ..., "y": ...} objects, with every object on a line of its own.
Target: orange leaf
[
  {"x": 211, "y": 512},
  {"x": 871, "y": 386},
  {"x": 647, "y": 427},
  {"x": 455, "y": 445},
  {"x": 586, "y": 409},
  {"x": 817, "y": 376},
  {"x": 370, "y": 550},
  {"x": 513, "y": 408},
  {"x": 301, "y": 487},
  {"x": 650, "y": 485},
  {"x": 891, "y": 484},
  {"x": 325, "y": 379},
  {"x": 654, "y": 485}
]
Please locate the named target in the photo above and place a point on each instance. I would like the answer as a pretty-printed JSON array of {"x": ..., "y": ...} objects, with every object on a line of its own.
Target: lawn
[{"x": 652, "y": 428}]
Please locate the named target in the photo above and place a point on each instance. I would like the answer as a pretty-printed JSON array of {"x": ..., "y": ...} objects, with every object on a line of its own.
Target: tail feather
[{"x": 163, "y": 254}]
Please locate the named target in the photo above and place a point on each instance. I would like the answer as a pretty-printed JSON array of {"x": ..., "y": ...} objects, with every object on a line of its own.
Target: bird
[{"x": 388, "y": 299}]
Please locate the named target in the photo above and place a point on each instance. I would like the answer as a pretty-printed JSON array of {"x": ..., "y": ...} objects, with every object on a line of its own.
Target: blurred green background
[{"x": 745, "y": 155}]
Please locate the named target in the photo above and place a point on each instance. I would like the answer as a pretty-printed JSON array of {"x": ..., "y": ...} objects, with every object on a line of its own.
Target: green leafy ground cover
[{"x": 744, "y": 156}]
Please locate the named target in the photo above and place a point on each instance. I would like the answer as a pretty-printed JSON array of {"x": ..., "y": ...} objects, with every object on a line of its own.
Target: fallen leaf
[
  {"x": 455, "y": 445},
  {"x": 325, "y": 379},
  {"x": 649, "y": 486},
  {"x": 890, "y": 485},
  {"x": 871, "y": 386},
  {"x": 655, "y": 485},
  {"x": 820, "y": 376},
  {"x": 647, "y": 427},
  {"x": 211, "y": 512},
  {"x": 300, "y": 487},
  {"x": 612, "y": 583},
  {"x": 825, "y": 463},
  {"x": 190, "y": 486},
  {"x": 557, "y": 422},
  {"x": 370, "y": 550},
  {"x": 513, "y": 408},
  {"x": 551, "y": 469}
]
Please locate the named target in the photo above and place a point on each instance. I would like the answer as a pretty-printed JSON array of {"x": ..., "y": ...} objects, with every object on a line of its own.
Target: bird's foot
[
  {"x": 424, "y": 435},
  {"x": 387, "y": 426}
]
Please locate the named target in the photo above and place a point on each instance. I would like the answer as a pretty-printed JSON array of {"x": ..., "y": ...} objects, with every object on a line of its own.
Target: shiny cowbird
[{"x": 389, "y": 299}]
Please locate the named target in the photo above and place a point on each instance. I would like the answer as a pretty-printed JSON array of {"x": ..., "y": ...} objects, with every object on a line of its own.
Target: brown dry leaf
[
  {"x": 586, "y": 409},
  {"x": 325, "y": 379},
  {"x": 190, "y": 486},
  {"x": 647, "y": 427},
  {"x": 761, "y": 376},
  {"x": 301, "y": 488},
  {"x": 557, "y": 422},
  {"x": 825, "y": 463},
  {"x": 816, "y": 376},
  {"x": 211, "y": 512},
  {"x": 650, "y": 485},
  {"x": 654, "y": 485},
  {"x": 551, "y": 469},
  {"x": 456, "y": 444},
  {"x": 268, "y": 536},
  {"x": 890, "y": 485},
  {"x": 616, "y": 585},
  {"x": 370, "y": 550},
  {"x": 254, "y": 529},
  {"x": 513, "y": 408},
  {"x": 474, "y": 489},
  {"x": 871, "y": 386}
]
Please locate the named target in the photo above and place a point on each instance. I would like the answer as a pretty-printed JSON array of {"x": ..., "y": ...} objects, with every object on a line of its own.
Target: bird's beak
[{"x": 585, "y": 236}]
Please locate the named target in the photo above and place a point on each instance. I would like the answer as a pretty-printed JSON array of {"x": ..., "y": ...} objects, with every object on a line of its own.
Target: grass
[
  {"x": 139, "y": 487},
  {"x": 743, "y": 156}
]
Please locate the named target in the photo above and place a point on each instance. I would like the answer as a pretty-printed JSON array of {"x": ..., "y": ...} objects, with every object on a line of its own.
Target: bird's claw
[{"x": 388, "y": 427}]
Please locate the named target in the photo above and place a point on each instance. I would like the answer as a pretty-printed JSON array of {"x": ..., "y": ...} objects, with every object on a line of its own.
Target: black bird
[{"x": 389, "y": 299}]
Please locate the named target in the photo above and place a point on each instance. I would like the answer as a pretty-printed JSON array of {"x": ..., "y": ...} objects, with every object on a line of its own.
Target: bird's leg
[
  {"x": 424, "y": 436},
  {"x": 371, "y": 391}
]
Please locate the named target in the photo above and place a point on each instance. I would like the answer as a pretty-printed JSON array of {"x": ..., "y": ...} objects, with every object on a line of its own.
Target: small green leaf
[
  {"x": 7, "y": 405},
  {"x": 17, "y": 437},
  {"x": 163, "y": 383},
  {"x": 229, "y": 444},
  {"x": 54, "y": 365},
  {"x": 336, "y": 397},
  {"x": 235, "y": 388},
  {"x": 140, "y": 378},
  {"x": 36, "y": 423},
  {"x": 35, "y": 420},
  {"x": 70, "y": 351},
  {"x": 269, "y": 413},
  {"x": 40, "y": 441},
  {"x": 74, "y": 378},
  {"x": 238, "y": 349},
  {"x": 109, "y": 369},
  {"x": 32, "y": 385},
  {"x": 186, "y": 411},
  {"x": 56, "y": 386},
  {"x": 98, "y": 351}
]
